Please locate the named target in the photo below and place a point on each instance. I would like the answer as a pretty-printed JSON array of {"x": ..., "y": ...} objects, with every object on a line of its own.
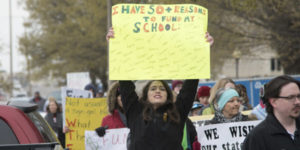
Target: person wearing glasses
[
  {"x": 227, "y": 107},
  {"x": 280, "y": 129}
]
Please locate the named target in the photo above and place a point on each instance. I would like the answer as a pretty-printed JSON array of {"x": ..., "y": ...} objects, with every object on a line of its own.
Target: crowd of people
[{"x": 158, "y": 119}]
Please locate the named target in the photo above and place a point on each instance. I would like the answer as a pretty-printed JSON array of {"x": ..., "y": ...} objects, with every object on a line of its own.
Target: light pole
[
  {"x": 109, "y": 24},
  {"x": 236, "y": 55},
  {"x": 11, "y": 51}
]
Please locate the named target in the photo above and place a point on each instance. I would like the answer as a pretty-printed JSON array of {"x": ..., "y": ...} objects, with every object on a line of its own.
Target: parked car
[
  {"x": 23, "y": 128},
  {"x": 20, "y": 98},
  {"x": 2, "y": 95}
]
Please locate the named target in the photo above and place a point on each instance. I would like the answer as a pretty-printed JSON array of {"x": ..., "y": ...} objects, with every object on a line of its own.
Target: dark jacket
[
  {"x": 191, "y": 132},
  {"x": 56, "y": 125},
  {"x": 156, "y": 134},
  {"x": 271, "y": 135},
  {"x": 39, "y": 101}
]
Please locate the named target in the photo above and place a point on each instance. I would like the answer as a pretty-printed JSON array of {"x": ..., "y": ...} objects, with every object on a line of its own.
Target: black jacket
[
  {"x": 56, "y": 126},
  {"x": 271, "y": 135},
  {"x": 156, "y": 134},
  {"x": 191, "y": 132},
  {"x": 40, "y": 102}
]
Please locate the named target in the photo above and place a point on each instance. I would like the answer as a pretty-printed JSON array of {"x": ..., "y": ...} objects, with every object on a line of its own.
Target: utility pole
[
  {"x": 109, "y": 5},
  {"x": 11, "y": 50},
  {"x": 109, "y": 24},
  {"x": 28, "y": 61}
]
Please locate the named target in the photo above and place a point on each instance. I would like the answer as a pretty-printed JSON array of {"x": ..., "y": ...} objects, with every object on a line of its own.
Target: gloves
[{"x": 101, "y": 131}]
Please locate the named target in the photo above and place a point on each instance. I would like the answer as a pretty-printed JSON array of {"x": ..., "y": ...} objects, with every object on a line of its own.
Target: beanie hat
[
  {"x": 203, "y": 91},
  {"x": 175, "y": 83},
  {"x": 225, "y": 97}
]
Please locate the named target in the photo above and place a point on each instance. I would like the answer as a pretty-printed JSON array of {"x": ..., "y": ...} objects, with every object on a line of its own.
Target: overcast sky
[{"x": 19, "y": 15}]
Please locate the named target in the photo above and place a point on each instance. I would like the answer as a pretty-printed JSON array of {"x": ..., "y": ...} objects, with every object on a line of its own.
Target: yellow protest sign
[
  {"x": 83, "y": 114},
  {"x": 159, "y": 42}
]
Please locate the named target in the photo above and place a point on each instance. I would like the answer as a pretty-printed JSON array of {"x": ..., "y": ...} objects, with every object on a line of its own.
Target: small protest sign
[
  {"x": 83, "y": 114},
  {"x": 226, "y": 136},
  {"x": 114, "y": 139},
  {"x": 75, "y": 93},
  {"x": 78, "y": 80}
]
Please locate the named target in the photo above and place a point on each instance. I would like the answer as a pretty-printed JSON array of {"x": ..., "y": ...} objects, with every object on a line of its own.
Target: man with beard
[{"x": 280, "y": 129}]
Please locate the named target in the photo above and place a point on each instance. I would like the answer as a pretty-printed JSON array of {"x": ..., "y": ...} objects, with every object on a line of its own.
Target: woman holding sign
[{"x": 155, "y": 121}]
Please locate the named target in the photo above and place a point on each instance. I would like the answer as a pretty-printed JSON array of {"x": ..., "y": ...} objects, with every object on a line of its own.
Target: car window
[
  {"x": 47, "y": 133},
  {"x": 7, "y": 136}
]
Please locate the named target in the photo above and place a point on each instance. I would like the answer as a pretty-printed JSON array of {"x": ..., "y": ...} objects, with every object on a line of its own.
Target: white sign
[
  {"x": 78, "y": 80},
  {"x": 226, "y": 136},
  {"x": 114, "y": 139},
  {"x": 75, "y": 93}
]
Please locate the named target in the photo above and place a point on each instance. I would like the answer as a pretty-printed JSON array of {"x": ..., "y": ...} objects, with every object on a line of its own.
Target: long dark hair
[
  {"x": 171, "y": 112},
  {"x": 52, "y": 99}
]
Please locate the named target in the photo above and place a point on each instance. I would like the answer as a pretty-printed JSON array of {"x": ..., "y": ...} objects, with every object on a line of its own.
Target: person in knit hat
[
  {"x": 222, "y": 83},
  {"x": 176, "y": 87},
  {"x": 203, "y": 95},
  {"x": 227, "y": 107}
]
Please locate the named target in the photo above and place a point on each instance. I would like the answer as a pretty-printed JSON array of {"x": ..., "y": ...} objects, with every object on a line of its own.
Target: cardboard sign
[
  {"x": 78, "y": 80},
  {"x": 75, "y": 93},
  {"x": 114, "y": 139},
  {"x": 83, "y": 114},
  {"x": 159, "y": 42},
  {"x": 226, "y": 136}
]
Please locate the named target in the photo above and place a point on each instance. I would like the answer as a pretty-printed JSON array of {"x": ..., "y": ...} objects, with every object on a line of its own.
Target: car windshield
[{"x": 43, "y": 127}]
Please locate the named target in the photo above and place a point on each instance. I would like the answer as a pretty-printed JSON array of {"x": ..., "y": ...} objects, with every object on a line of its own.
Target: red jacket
[
  {"x": 113, "y": 121},
  {"x": 196, "y": 144}
]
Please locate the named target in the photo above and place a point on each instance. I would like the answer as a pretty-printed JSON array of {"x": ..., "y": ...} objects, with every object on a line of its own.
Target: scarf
[
  {"x": 123, "y": 118},
  {"x": 220, "y": 118}
]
